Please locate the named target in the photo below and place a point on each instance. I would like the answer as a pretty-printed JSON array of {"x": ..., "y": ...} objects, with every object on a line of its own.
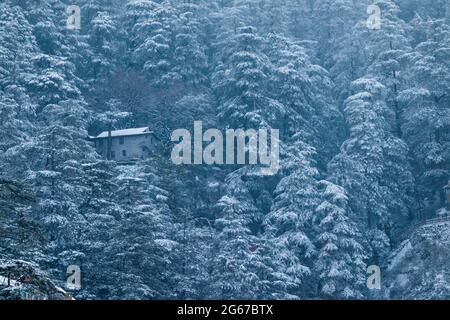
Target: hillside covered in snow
[{"x": 224, "y": 149}]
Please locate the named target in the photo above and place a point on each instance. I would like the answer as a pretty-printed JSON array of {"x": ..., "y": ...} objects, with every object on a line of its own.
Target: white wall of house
[{"x": 127, "y": 147}]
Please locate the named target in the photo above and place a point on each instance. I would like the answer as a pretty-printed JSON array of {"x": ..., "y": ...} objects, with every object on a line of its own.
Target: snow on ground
[
  {"x": 399, "y": 254},
  {"x": 4, "y": 282}
]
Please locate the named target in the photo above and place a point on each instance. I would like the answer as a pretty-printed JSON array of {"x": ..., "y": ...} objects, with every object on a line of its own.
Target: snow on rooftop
[{"x": 125, "y": 132}]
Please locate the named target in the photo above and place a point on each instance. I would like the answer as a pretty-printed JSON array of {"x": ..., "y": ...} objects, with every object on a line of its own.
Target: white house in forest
[{"x": 127, "y": 144}]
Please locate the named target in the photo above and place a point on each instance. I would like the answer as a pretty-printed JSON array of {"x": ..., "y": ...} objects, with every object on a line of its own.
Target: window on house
[
  {"x": 113, "y": 154},
  {"x": 100, "y": 142},
  {"x": 121, "y": 140},
  {"x": 124, "y": 153}
]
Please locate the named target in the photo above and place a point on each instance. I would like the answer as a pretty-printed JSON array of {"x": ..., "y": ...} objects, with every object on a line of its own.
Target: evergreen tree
[
  {"x": 142, "y": 252},
  {"x": 289, "y": 221},
  {"x": 426, "y": 117},
  {"x": 150, "y": 41},
  {"x": 239, "y": 270},
  {"x": 190, "y": 63},
  {"x": 373, "y": 166},
  {"x": 340, "y": 264},
  {"x": 241, "y": 79}
]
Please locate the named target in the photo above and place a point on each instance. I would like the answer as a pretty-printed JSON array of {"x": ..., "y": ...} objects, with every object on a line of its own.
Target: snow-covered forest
[{"x": 358, "y": 89}]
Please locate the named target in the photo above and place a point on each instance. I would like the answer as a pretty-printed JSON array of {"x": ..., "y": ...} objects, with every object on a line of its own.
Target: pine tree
[
  {"x": 142, "y": 252},
  {"x": 150, "y": 41},
  {"x": 288, "y": 222},
  {"x": 238, "y": 266},
  {"x": 190, "y": 63},
  {"x": 426, "y": 117},
  {"x": 373, "y": 165},
  {"x": 241, "y": 79},
  {"x": 54, "y": 169},
  {"x": 20, "y": 233},
  {"x": 340, "y": 267},
  {"x": 102, "y": 214}
]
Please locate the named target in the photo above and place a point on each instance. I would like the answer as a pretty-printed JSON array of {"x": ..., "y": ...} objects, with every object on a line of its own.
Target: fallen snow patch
[{"x": 399, "y": 254}]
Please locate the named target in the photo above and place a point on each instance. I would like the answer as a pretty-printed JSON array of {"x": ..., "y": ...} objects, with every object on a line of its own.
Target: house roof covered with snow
[{"x": 125, "y": 132}]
